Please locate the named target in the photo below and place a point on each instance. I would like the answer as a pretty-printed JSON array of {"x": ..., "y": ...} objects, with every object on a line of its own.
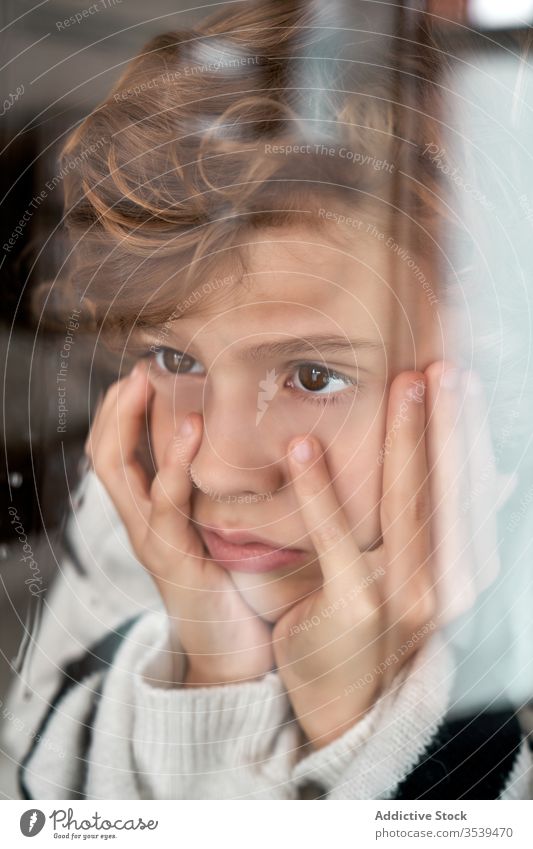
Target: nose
[{"x": 238, "y": 456}]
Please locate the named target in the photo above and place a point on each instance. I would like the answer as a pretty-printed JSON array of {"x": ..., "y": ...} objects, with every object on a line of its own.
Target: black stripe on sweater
[
  {"x": 97, "y": 658},
  {"x": 470, "y": 758}
]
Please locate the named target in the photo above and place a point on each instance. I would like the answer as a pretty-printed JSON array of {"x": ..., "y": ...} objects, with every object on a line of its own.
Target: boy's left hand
[{"x": 337, "y": 649}]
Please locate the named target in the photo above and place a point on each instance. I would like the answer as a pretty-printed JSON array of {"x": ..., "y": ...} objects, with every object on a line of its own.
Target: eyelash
[
  {"x": 314, "y": 398},
  {"x": 328, "y": 398},
  {"x": 302, "y": 395}
]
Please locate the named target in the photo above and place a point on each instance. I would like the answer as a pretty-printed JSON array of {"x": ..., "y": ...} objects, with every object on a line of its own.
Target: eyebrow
[
  {"x": 312, "y": 344},
  {"x": 318, "y": 343}
]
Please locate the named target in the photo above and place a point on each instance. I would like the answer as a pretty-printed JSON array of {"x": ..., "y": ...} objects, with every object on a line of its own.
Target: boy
[{"x": 296, "y": 507}]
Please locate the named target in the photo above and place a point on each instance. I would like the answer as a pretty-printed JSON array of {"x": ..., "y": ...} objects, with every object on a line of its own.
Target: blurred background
[{"x": 58, "y": 60}]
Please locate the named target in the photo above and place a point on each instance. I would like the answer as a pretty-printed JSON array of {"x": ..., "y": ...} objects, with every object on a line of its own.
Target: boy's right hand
[{"x": 224, "y": 640}]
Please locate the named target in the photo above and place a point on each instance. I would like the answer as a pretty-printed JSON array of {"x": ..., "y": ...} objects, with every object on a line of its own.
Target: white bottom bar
[{"x": 246, "y": 824}]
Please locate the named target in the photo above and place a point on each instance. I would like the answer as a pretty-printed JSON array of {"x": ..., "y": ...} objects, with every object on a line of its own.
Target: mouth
[{"x": 238, "y": 551}]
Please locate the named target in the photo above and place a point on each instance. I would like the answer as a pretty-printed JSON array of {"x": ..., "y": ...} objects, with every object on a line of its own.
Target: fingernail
[
  {"x": 302, "y": 451},
  {"x": 416, "y": 391},
  {"x": 450, "y": 378},
  {"x": 186, "y": 428},
  {"x": 136, "y": 371}
]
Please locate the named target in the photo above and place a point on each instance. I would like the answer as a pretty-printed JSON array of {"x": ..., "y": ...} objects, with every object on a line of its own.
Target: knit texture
[{"x": 241, "y": 740}]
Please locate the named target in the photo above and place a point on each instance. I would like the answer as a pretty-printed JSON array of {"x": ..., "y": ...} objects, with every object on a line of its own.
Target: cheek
[{"x": 270, "y": 596}]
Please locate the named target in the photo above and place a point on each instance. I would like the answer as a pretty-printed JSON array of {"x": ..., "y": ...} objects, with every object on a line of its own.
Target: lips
[{"x": 238, "y": 551}]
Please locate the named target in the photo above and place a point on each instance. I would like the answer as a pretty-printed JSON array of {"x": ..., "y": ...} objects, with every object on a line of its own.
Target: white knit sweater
[{"x": 237, "y": 741}]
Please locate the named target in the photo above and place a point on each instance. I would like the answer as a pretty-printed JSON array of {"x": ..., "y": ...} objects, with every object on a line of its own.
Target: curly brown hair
[{"x": 239, "y": 125}]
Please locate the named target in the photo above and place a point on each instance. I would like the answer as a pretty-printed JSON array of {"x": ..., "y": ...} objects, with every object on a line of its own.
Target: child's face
[{"x": 301, "y": 284}]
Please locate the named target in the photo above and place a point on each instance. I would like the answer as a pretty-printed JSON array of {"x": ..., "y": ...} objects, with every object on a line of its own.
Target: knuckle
[{"x": 419, "y": 507}]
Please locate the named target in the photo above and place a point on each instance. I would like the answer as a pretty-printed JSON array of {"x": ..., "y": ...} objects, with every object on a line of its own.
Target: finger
[
  {"x": 103, "y": 406},
  {"x": 170, "y": 493},
  {"x": 113, "y": 450},
  {"x": 447, "y": 464},
  {"x": 405, "y": 505},
  {"x": 482, "y": 502},
  {"x": 95, "y": 415},
  {"x": 340, "y": 559}
]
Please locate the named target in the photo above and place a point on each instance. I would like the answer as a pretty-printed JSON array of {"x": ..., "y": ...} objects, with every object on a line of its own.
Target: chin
[
  {"x": 270, "y": 598},
  {"x": 270, "y": 617},
  {"x": 270, "y": 614}
]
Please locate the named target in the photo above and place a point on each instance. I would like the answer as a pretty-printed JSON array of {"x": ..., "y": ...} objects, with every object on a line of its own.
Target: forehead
[
  {"x": 310, "y": 265},
  {"x": 307, "y": 280},
  {"x": 305, "y": 268}
]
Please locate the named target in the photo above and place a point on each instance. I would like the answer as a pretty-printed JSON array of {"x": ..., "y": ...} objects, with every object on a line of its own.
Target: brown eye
[
  {"x": 313, "y": 377},
  {"x": 176, "y": 362}
]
